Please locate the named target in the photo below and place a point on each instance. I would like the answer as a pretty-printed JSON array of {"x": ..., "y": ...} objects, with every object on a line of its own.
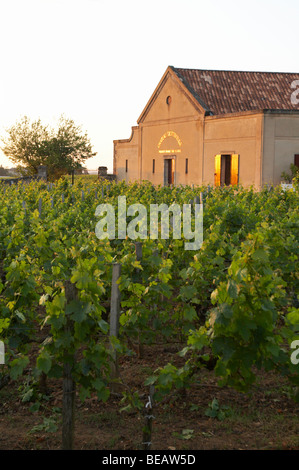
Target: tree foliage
[
  {"x": 31, "y": 144},
  {"x": 3, "y": 171}
]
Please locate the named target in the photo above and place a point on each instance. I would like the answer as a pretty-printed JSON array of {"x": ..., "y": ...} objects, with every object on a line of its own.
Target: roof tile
[{"x": 223, "y": 92}]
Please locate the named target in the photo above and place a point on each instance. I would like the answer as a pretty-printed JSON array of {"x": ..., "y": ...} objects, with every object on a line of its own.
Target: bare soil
[{"x": 264, "y": 420}]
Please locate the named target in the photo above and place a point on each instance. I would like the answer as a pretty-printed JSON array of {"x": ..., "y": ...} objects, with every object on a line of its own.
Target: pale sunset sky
[{"x": 98, "y": 61}]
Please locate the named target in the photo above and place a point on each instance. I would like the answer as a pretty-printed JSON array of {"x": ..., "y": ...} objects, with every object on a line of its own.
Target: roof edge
[
  {"x": 191, "y": 90},
  {"x": 170, "y": 71},
  {"x": 234, "y": 71}
]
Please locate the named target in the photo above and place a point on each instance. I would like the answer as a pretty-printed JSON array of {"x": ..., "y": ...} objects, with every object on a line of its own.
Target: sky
[{"x": 99, "y": 61}]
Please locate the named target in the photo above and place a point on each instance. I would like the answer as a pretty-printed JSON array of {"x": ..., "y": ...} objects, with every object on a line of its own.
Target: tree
[
  {"x": 3, "y": 171},
  {"x": 31, "y": 144}
]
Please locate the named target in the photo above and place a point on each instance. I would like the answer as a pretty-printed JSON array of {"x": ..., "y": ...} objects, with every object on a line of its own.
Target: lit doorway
[
  {"x": 168, "y": 171},
  {"x": 226, "y": 170},
  {"x": 225, "y": 175}
]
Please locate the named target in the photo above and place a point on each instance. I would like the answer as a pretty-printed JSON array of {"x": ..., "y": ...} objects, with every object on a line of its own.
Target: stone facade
[{"x": 182, "y": 139}]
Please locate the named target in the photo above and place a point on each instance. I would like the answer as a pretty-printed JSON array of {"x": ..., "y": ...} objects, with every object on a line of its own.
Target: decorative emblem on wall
[{"x": 165, "y": 136}]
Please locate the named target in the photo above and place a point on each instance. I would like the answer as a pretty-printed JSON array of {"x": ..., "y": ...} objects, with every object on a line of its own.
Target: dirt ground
[{"x": 268, "y": 419}]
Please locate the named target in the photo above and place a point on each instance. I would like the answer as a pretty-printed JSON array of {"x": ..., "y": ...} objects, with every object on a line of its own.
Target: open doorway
[
  {"x": 226, "y": 170},
  {"x": 168, "y": 171},
  {"x": 225, "y": 175}
]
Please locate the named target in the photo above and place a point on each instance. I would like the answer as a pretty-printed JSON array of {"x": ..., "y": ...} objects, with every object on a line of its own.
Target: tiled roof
[{"x": 221, "y": 92}]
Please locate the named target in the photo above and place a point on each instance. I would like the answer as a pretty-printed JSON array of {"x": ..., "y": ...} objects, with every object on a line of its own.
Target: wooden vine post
[
  {"x": 148, "y": 420},
  {"x": 40, "y": 207},
  {"x": 138, "y": 251},
  {"x": 114, "y": 322},
  {"x": 69, "y": 385}
]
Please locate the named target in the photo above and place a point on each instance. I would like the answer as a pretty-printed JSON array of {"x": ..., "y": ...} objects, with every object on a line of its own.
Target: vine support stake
[
  {"x": 40, "y": 207},
  {"x": 138, "y": 251},
  {"x": 69, "y": 385},
  {"x": 148, "y": 417},
  {"x": 114, "y": 321}
]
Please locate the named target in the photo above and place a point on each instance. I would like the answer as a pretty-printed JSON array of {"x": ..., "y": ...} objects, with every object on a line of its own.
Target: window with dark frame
[
  {"x": 126, "y": 166},
  {"x": 186, "y": 166},
  {"x": 296, "y": 160},
  {"x": 154, "y": 163}
]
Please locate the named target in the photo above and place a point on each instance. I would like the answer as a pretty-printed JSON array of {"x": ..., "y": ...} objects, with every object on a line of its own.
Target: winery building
[{"x": 214, "y": 127}]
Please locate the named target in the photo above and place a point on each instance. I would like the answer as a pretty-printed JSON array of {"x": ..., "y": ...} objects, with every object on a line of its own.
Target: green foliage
[
  {"x": 49, "y": 425},
  {"x": 31, "y": 144},
  {"x": 233, "y": 303},
  {"x": 214, "y": 410},
  {"x": 17, "y": 367},
  {"x": 246, "y": 315},
  {"x": 186, "y": 434},
  {"x": 293, "y": 175}
]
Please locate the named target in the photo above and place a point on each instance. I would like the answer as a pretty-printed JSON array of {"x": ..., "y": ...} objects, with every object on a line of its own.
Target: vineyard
[{"x": 227, "y": 313}]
